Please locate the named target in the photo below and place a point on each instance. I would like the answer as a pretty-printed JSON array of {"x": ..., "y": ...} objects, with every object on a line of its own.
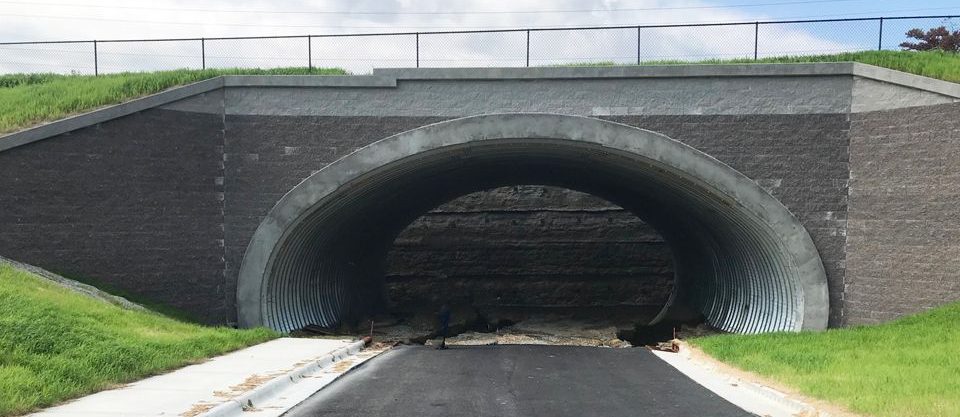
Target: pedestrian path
[{"x": 200, "y": 389}]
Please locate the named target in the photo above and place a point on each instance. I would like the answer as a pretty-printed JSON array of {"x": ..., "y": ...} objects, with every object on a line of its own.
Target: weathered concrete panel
[
  {"x": 597, "y": 97},
  {"x": 872, "y": 95}
]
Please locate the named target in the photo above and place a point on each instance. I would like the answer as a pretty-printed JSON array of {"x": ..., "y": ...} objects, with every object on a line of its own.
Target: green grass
[
  {"x": 909, "y": 367},
  {"x": 933, "y": 64},
  {"x": 30, "y": 99},
  {"x": 152, "y": 305},
  {"x": 56, "y": 344}
]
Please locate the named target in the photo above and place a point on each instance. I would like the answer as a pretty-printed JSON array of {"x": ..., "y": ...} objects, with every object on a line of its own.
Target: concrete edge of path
[
  {"x": 250, "y": 399},
  {"x": 752, "y": 397}
]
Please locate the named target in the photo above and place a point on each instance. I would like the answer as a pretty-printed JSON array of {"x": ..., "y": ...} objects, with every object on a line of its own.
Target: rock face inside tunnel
[
  {"x": 526, "y": 250},
  {"x": 742, "y": 259}
]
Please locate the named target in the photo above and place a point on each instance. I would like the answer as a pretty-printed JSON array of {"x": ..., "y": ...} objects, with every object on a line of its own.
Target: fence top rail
[{"x": 542, "y": 29}]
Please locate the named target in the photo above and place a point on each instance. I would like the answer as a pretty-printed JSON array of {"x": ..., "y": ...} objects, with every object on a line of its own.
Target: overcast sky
[{"x": 113, "y": 19}]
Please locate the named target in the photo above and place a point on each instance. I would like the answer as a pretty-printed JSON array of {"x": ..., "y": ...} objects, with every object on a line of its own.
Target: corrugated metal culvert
[{"x": 742, "y": 259}]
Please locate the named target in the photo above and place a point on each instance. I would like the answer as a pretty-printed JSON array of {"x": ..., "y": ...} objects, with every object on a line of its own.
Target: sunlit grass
[
  {"x": 933, "y": 64},
  {"x": 30, "y": 99},
  {"x": 909, "y": 367},
  {"x": 56, "y": 344}
]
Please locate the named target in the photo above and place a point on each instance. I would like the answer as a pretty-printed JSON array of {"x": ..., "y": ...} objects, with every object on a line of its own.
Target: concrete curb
[
  {"x": 237, "y": 405},
  {"x": 752, "y": 397}
]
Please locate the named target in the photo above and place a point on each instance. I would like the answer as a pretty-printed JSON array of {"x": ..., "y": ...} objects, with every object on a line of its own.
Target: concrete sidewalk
[{"x": 196, "y": 389}]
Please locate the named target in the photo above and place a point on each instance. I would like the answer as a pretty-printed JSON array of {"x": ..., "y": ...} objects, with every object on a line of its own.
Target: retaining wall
[{"x": 159, "y": 197}]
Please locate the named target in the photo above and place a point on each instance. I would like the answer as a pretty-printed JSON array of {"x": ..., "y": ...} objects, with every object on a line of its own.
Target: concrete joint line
[
  {"x": 250, "y": 399},
  {"x": 342, "y": 81}
]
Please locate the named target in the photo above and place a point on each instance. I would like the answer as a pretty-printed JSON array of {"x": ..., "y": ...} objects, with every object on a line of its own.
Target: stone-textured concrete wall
[
  {"x": 162, "y": 203},
  {"x": 903, "y": 243},
  {"x": 134, "y": 203},
  {"x": 528, "y": 246}
]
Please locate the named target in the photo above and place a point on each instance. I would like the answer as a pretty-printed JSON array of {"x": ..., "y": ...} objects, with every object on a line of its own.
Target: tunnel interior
[
  {"x": 531, "y": 254},
  {"x": 739, "y": 259}
]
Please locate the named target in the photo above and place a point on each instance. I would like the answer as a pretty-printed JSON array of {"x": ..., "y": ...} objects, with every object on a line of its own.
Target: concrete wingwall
[
  {"x": 903, "y": 232},
  {"x": 135, "y": 204},
  {"x": 162, "y": 202}
]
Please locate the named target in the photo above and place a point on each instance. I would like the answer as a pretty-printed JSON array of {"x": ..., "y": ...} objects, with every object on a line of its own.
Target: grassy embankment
[
  {"x": 934, "y": 64},
  {"x": 908, "y": 367},
  {"x": 56, "y": 344},
  {"x": 30, "y": 99}
]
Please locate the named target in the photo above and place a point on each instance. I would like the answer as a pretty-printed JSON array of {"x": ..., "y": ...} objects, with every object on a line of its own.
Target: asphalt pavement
[{"x": 518, "y": 380}]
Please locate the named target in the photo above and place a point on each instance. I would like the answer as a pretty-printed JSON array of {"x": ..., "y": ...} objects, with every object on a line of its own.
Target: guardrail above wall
[{"x": 360, "y": 52}]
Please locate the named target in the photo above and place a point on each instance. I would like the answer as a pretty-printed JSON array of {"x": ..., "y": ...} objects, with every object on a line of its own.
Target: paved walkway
[
  {"x": 523, "y": 380},
  {"x": 191, "y": 390}
]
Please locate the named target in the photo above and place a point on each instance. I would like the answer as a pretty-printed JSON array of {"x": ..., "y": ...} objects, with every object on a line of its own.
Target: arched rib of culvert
[
  {"x": 744, "y": 257},
  {"x": 764, "y": 272}
]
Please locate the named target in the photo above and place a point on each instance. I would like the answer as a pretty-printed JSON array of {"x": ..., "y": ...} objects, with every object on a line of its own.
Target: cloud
[{"x": 361, "y": 54}]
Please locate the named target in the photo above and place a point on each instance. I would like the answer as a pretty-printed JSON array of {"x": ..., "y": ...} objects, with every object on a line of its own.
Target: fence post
[
  {"x": 638, "y": 45},
  {"x": 96, "y": 66},
  {"x": 418, "y": 49},
  {"x": 756, "y": 40},
  {"x": 203, "y": 53},
  {"x": 880, "y": 38},
  {"x": 309, "y": 53},
  {"x": 528, "y": 47}
]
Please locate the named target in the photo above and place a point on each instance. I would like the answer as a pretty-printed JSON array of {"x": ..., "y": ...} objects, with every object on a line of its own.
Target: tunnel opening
[
  {"x": 530, "y": 261},
  {"x": 741, "y": 260}
]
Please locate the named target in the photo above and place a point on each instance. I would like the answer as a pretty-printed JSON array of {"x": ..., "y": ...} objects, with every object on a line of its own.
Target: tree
[{"x": 937, "y": 38}]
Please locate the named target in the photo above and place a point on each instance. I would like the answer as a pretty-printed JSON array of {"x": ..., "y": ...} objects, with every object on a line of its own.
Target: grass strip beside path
[
  {"x": 908, "y": 367},
  {"x": 30, "y": 99},
  {"x": 56, "y": 344}
]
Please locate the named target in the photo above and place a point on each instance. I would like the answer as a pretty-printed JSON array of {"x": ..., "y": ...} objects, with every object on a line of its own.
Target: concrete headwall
[
  {"x": 162, "y": 202},
  {"x": 801, "y": 159}
]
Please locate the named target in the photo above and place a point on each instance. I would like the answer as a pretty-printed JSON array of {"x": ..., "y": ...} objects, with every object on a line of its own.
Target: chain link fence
[{"x": 360, "y": 53}]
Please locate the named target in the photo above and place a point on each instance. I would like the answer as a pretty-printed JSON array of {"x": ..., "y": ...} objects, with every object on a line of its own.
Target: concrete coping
[{"x": 389, "y": 78}]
